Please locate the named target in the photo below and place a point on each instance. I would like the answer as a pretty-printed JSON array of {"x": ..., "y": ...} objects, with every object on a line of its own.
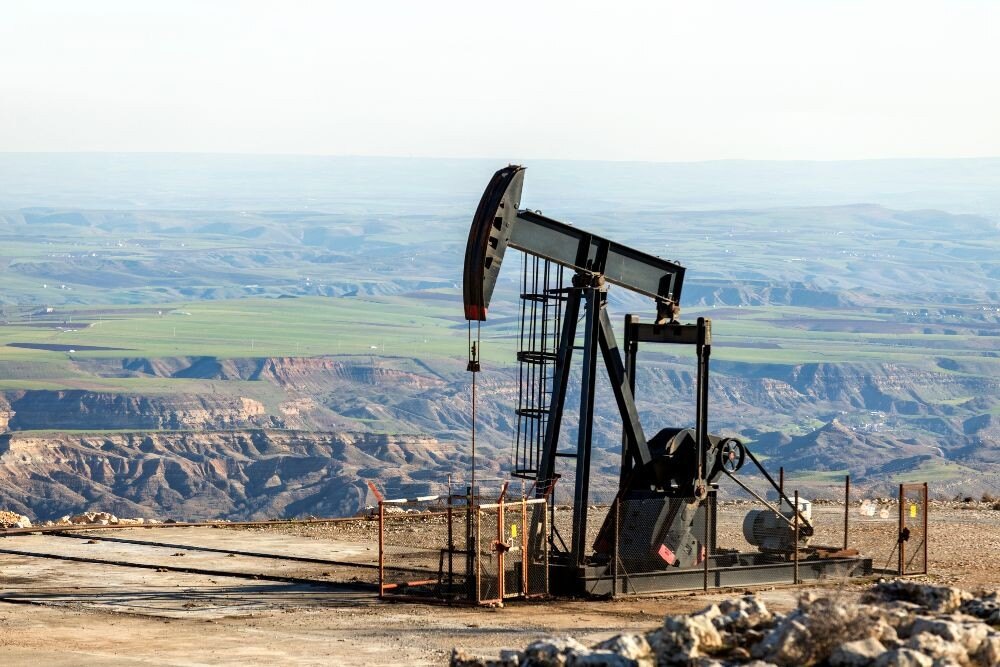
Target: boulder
[
  {"x": 552, "y": 652},
  {"x": 631, "y": 646},
  {"x": 969, "y": 635},
  {"x": 463, "y": 659},
  {"x": 989, "y": 650},
  {"x": 936, "y": 647},
  {"x": 857, "y": 653},
  {"x": 746, "y": 612},
  {"x": 684, "y": 638},
  {"x": 903, "y": 657},
  {"x": 787, "y": 644},
  {"x": 986, "y": 607},
  {"x": 941, "y": 599},
  {"x": 600, "y": 659}
]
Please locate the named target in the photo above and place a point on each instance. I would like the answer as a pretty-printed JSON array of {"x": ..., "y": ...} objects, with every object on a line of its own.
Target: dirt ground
[{"x": 56, "y": 611}]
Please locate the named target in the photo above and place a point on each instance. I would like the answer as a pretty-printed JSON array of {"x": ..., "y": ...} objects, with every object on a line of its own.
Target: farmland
[{"x": 855, "y": 327}]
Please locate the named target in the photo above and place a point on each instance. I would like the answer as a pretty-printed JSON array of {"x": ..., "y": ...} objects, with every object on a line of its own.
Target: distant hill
[{"x": 210, "y": 300}]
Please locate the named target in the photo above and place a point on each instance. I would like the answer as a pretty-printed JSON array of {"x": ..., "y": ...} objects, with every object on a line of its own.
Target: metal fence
[
  {"x": 417, "y": 543},
  {"x": 913, "y": 510},
  {"x": 745, "y": 536},
  {"x": 445, "y": 548}
]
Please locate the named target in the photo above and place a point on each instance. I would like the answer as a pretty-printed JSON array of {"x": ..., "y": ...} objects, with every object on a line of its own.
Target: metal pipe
[
  {"x": 524, "y": 545},
  {"x": 795, "y": 578},
  {"x": 451, "y": 544},
  {"x": 902, "y": 542},
  {"x": 704, "y": 547},
  {"x": 381, "y": 548},
  {"x": 614, "y": 548},
  {"x": 847, "y": 507},
  {"x": 771, "y": 480},
  {"x": 704, "y": 349},
  {"x": 761, "y": 499},
  {"x": 585, "y": 428},
  {"x": 926, "y": 512},
  {"x": 501, "y": 548}
]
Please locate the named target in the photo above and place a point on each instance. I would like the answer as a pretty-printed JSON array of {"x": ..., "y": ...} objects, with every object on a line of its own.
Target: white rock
[
  {"x": 943, "y": 599},
  {"x": 989, "y": 650},
  {"x": 936, "y": 647},
  {"x": 511, "y": 657},
  {"x": 683, "y": 638},
  {"x": 857, "y": 653},
  {"x": 598, "y": 659},
  {"x": 903, "y": 657},
  {"x": 632, "y": 646},
  {"x": 969, "y": 635},
  {"x": 553, "y": 652},
  {"x": 786, "y": 644}
]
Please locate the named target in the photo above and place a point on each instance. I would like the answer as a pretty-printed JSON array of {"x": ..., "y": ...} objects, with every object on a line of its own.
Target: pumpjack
[{"x": 666, "y": 516}]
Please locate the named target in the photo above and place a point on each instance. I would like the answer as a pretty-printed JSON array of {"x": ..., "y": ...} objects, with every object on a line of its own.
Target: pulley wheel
[{"x": 731, "y": 455}]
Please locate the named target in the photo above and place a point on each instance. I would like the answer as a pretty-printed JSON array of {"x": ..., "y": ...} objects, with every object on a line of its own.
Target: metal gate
[
  {"x": 512, "y": 550},
  {"x": 913, "y": 529}
]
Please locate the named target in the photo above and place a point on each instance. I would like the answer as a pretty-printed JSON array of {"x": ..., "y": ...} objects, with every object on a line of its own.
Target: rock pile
[
  {"x": 895, "y": 624},
  {"x": 98, "y": 519},
  {"x": 10, "y": 519}
]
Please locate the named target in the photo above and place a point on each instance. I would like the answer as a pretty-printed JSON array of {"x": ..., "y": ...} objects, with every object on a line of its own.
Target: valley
[{"x": 257, "y": 349}]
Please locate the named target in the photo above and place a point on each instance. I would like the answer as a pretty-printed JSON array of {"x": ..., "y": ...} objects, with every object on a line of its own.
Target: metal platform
[{"x": 601, "y": 581}]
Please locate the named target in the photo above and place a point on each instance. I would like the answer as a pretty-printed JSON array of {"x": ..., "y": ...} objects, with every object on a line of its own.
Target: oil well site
[{"x": 497, "y": 555}]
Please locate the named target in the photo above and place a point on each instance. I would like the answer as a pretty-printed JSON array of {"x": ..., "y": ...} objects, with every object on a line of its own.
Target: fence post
[
  {"x": 381, "y": 549},
  {"x": 847, "y": 507},
  {"x": 614, "y": 548},
  {"x": 525, "y": 561},
  {"x": 478, "y": 556},
  {"x": 501, "y": 549},
  {"x": 704, "y": 547},
  {"x": 899, "y": 538},
  {"x": 795, "y": 568},
  {"x": 927, "y": 508},
  {"x": 546, "y": 535},
  {"x": 451, "y": 545}
]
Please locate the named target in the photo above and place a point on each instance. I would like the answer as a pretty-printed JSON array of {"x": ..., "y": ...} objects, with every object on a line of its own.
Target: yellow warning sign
[
  {"x": 913, "y": 510},
  {"x": 513, "y": 531}
]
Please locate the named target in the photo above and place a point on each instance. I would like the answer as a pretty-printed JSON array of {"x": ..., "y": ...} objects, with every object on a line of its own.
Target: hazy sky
[{"x": 696, "y": 80}]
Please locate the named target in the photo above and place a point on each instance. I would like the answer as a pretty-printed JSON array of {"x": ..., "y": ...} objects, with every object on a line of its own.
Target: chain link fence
[
  {"x": 745, "y": 534},
  {"x": 418, "y": 541},
  {"x": 445, "y": 549},
  {"x": 913, "y": 508}
]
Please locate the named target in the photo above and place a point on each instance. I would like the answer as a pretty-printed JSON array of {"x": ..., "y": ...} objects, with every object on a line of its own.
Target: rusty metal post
[
  {"x": 795, "y": 569},
  {"x": 451, "y": 544},
  {"x": 471, "y": 559},
  {"x": 545, "y": 545},
  {"x": 927, "y": 508},
  {"x": 704, "y": 547},
  {"x": 524, "y": 545},
  {"x": 847, "y": 507},
  {"x": 899, "y": 539},
  {"x": 501, "y": 548},
  {"x": 381, "y": 548},
  {"x": 781, "y": 483},
  {"x": 614, "y": 547},
  {"x": 478, "y": 557}
]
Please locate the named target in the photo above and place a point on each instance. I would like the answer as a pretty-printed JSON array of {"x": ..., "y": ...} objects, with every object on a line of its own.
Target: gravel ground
[
  {"x": 962, "y": 536},
  {"x": 285, "y": 625}
]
